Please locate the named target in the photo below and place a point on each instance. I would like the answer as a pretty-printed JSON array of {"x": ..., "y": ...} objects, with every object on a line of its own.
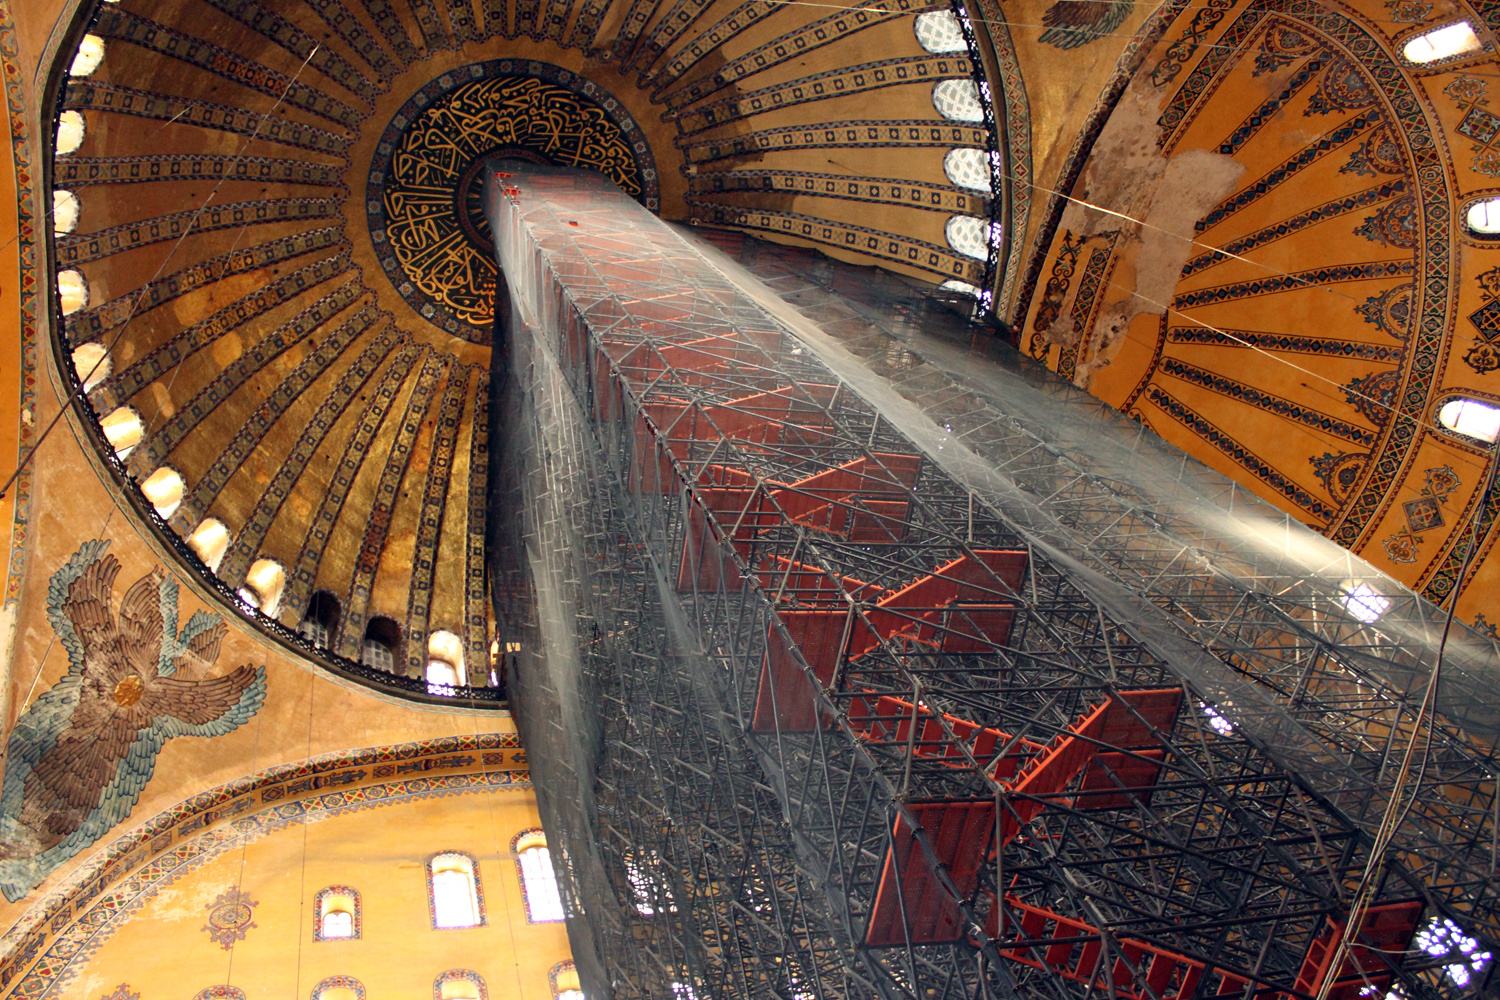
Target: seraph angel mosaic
[{"x": 77, "y": 761}]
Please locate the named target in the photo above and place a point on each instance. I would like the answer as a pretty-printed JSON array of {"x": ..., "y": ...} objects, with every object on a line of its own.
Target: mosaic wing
[
  {"x": 209, "y": 707},
  {"x": 1071, "y": 23}
]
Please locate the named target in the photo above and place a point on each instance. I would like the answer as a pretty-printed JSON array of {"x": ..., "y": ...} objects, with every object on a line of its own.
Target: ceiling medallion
[{"x": 424, "y": 204}]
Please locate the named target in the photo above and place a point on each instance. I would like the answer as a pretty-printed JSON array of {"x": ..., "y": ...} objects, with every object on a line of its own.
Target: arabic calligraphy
[{"x": 437, "y": 246}]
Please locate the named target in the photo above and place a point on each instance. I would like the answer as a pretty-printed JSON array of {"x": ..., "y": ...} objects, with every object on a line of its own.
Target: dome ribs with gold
[
  {"x": 360, "y": 428},
  {"x": 85, "y": 247},
  {"x": 75, "y": 172},
  {"x": 439, "y": 460},
  {"x": 108, "y": 97},
  {"x": 115, "y": 23},
  {"x": 913, "y": 133},
  {"x": 160, "y": 360},
  {"x": 323, "y": 58},
  {"x": 227, "y": 382},
  {"x": 360, "y": 41},
  {"x": 792, "y": 45},
  {"x": 104, "y": 318},
  {"x": 310, "y": 170},
  {"x": 289, "y": 470},
  {"x": 288, "y": 391},
  {"x": 377, "y": 525}
]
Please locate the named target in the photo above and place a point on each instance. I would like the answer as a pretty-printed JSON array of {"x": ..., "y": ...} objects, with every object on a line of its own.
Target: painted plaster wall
[{"x": 165, "y": 953}]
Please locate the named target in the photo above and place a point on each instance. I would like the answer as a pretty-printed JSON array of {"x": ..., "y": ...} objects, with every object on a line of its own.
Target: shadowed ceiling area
[{"x": 278, "y": 252}]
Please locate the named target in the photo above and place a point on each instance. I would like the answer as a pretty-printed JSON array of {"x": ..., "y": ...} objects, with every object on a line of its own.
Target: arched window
[
  {"x": 123, "y": 430},
  {"x": 460, "y": 984},
  {"x": 1442, "y": 43},
  {"x": 91, "y": 362},
  {"x": 565, "y": 984},
  {"x": 339, "y": 917},
  {"x": 1483, "y": 217},
  {"x": 1471, "y": 418},
  {"x": 339, "y": 988},
  {"x": 220, "y": 993},
  {"x": 381, "y": 643},
  {"x": 453, "y": 892},
  {"x": 962, "y": 287},
  {"x": 648, "y": 883},
  {"x": 938, "y": 32},
  {"x": 971, "y": 236},
  {"x": 321, "y": 621},
  {"x": 445, "y": 662},
  {"x": 210, "y": 540},
  {"x": 263, "y": 586},
  {"x": 1363, "y": 601},
  {"x": 64, "y": 212},
  {"x": 90, "y": 55},
  {"x": 957, "y": 100},
  {"x": 969, "y": 168},
  {"x": 72, "y": 291},
  {"x": 538, "y": 881},
  {"x": 70, "y": 131},
  {"x": 164, "y": 489}
]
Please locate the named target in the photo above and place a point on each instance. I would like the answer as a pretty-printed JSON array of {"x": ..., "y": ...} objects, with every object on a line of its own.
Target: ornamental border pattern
[
  {"x": 77, "y": 915},
  {"x": 15, "y": 99},
  {"x": 1431, "y": 316},
  {"x": 1015, "y": 151}
]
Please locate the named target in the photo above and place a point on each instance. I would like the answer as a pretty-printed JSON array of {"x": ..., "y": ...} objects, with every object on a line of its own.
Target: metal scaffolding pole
[{"x": 826, "y": 700}]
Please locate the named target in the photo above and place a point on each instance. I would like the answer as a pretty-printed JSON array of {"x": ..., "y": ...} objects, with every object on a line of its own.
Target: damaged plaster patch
[{"x": 1127, "y": 174}]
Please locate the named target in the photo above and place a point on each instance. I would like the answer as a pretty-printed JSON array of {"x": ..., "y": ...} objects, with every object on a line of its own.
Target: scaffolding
[{"x": 825, "y": 698}]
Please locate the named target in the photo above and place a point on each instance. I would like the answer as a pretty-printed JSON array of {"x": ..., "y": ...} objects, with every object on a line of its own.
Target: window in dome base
[
  {"x": 1471, "y": 418},
  {"x": 1442, "y": 43}
]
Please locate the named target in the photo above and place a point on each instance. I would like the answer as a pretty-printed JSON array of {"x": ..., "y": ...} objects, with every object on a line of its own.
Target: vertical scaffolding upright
[{"x": 826, "y": 700}]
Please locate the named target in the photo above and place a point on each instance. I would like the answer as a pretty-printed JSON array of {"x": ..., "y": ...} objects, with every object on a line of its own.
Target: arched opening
[
  {"x": 263, "y": 586},
  {"x": 445, "y": 662},
  {"x": 339, "y": 988},
  {"x": 72, "y": 291},
  {"x": 938, "y": 31},
  {"x": 565, "y": 982},
  {"x": 957, "y": 100},
  {"x": 338, "y": 914},
  {"x": 1471, "y": 418},
  {"x": 70, "y": 132},
  {"x": 321, "y": 620},
  {"x": 453, "y": 891},
  {"x": 1483, "y": 217},
  {"x": 210, "y": 540},
  {"x": 969, "y": 168},
  {"x": 64, "y": 212},
  {"x": 164, "y": 488},
  {"x": 91, "y": 362},
  {"x": 90, "y": 55},
  {"x": 538, "y": 880},
  {"x": 123, "y": 430},
  {"x": 460, "y": 984},
  {"x": 1442, "y": 43},
  {"x": 382, "y": 641},
  {"x": 970, "y": 236}
]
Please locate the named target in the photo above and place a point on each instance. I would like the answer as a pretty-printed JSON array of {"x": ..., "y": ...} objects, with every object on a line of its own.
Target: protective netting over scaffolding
[{"x": 858, "y": 662}]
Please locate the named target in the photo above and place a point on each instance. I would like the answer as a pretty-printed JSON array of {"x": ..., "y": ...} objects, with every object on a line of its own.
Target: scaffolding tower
[{"x": 827, "y": 698}]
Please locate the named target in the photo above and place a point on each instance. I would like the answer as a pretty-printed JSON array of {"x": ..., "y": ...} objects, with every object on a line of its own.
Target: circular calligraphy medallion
[{"x": 425, "y": 207}]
